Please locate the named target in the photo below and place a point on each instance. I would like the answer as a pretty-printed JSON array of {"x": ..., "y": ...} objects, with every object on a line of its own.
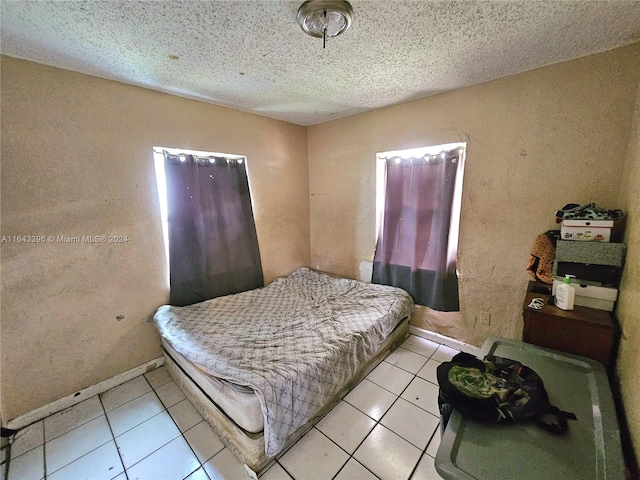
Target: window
[
  {"x": 208, "y": 225},
  {"x": 419, "y": 193}
]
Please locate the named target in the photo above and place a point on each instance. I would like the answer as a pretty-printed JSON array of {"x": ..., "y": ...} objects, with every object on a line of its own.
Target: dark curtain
[
  {"x": 417, "y": 242},
  {"x": 213, "y": 247}
]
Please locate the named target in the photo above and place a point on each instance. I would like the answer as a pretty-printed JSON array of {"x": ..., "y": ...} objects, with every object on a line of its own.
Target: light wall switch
[{"x": 485, "y": 318}]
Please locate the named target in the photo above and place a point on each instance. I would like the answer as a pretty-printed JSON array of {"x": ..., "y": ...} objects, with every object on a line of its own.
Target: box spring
[{"x": 238, "y": 402}]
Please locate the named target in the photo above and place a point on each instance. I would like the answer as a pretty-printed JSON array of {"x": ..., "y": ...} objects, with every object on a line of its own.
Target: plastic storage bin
[
  {"x": 590, "y": 296},
  {"x": 591, "y": 449}
]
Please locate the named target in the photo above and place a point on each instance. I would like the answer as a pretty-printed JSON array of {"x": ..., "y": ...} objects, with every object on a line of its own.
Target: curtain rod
[
  {"x": 381, "y": 156},
  {"x": 161, "y": 151}
]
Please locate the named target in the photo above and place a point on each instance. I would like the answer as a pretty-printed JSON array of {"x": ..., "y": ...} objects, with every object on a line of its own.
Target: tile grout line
[
  {"x": 281, "y": 466},
  {"x": 81, "y": 456},
  {"x": 157, "y": 386},
  {"x": 431, "y": 439},
  {"x": 12, "y": 441},
  {"x": 153, "y": 389},
  {"x": 430, "y": 357},
  {"x": 165, "y": 409},
  {"x": 77, "y": 426},
  {"x": 423, "y": 451},
  {"x": 379, "y": 422},
  {"x": 191, "y": 448},
  {"x": 355, "y": 460},
  {"x": 104, "y": 412},
  {"x": 131, "y": 399},
  {"x": 44, "y": 450},
  {"x": 194, "y": 452},
  {"x": 350, "y": 456},
  {"x": 5, "y": 465},
  {"x": 126, "y": 475},
  {"x": 201, "y": 464},
  {"x": 398, "y": 396},
  {"x": 435, "y": 432}
]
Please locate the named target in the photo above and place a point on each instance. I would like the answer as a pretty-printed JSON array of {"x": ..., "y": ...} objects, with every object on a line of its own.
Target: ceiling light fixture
[{"x": 325, "y": 18}]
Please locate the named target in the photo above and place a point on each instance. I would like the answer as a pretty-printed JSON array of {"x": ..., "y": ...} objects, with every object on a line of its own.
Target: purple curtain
[
  {"x": 213, "y": 247},
  {"x": 417, "y": 241}
]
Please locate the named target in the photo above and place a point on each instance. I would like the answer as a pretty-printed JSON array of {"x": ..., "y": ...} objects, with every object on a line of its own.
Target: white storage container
[{"x": 602, "y": 298}]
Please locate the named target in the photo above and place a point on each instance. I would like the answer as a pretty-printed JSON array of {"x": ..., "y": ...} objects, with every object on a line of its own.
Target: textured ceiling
[{"x": 253, "y": 56}]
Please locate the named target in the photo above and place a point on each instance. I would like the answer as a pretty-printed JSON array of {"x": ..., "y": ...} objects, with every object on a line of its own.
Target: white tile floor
[{"x": 386, "y": 428}]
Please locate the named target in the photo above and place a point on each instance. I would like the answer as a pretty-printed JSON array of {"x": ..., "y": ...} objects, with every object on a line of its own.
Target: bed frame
[{"x": 249, "y": 448}]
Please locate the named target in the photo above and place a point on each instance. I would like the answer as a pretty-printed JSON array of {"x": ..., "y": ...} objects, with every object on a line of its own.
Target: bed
[{"x": 263, "y": 366}]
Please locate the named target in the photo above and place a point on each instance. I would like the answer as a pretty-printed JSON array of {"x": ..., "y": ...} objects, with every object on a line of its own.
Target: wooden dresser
[{"x": 583, "y": 331}]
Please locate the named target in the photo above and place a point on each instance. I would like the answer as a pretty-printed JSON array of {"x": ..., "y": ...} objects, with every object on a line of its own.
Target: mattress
[
  {"x": 238, "y": 402},
  {"x": 295, "y": 342}
]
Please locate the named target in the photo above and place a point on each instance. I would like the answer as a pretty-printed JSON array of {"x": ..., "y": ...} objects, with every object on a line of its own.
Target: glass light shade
[
  {"x": 317, "y": 17},
  {"x": 335, "y": 23}
]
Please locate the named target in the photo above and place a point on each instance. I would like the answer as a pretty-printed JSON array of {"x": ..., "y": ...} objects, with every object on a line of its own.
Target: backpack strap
[{"x": 561, "y": 416}]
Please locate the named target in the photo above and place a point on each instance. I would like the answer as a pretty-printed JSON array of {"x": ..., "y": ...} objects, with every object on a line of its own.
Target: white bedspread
[{"x": 295, "y": 342}]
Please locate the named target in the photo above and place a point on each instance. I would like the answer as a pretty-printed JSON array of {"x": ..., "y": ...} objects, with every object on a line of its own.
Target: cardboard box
[
  {"x": 602, "y": 298},
  {"x": 586, "y": 230}
]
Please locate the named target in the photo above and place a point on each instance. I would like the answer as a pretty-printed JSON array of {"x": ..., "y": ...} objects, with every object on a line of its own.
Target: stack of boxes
[{"x": 588, "y": 251}]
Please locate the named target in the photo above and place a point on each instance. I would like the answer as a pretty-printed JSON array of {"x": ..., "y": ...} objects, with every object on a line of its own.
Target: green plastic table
[{"x": 591, "y": 449}]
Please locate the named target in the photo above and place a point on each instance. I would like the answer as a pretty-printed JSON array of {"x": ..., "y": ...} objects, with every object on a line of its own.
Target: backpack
[{"x": 497, "y": 390}]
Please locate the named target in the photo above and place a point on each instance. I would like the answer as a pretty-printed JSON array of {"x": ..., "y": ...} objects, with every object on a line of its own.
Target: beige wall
[
  {"x": 77, "y": 160},
  {"x": 536, "y": 141},
  {"x": 628, "y": 305}
]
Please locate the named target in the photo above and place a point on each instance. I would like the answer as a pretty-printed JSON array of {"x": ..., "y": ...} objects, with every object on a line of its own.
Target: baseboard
[
  {"x": 84, "y": 394},
  {"x": 448, "y": 341}
]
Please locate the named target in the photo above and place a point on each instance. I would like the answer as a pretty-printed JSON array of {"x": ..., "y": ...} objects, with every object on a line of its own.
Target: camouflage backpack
[{"x": 497, "y": 390}]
